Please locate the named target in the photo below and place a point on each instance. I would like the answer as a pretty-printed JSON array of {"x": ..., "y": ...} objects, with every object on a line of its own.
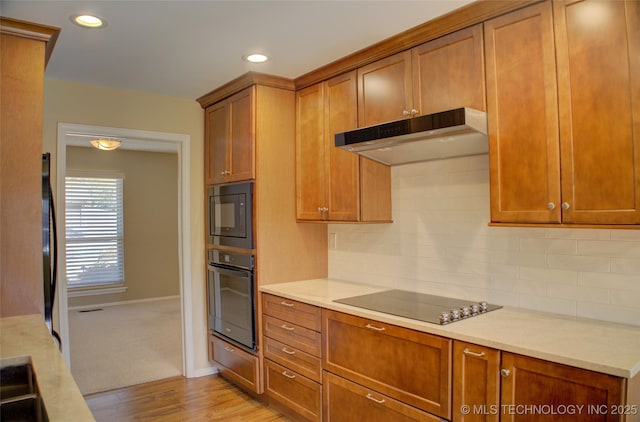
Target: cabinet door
[
  {"x": 523, "y": 117},
  {"x": 391, "y": 360},
  {"x": 241, "y": 145},
  {"x": 294, "y": 391},
  {"x": 384, "y": 90},
  {"x": 598, "y": 47},
  {"x": 448, "y": 72},
  {"x": 237, "y": 365},
  {"x": 215, "y": 147},
  {"x": 347, "y": 401},
  {"x": 530, "y": 382},
  {"x": 341, "y": 167},
  {"x": 476, "y": 382},
  {"x": 310, "y": 162}
]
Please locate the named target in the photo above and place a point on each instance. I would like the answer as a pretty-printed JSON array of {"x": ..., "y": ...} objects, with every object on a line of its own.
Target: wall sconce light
[{"x": 106, "y": 144}]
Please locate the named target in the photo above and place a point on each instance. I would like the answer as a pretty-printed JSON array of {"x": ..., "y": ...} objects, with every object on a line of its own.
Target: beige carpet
[{"x": 124, "y": 345}]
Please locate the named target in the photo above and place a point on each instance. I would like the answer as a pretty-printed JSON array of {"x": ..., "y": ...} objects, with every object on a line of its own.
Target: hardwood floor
[{"x": 209, "y": 398}]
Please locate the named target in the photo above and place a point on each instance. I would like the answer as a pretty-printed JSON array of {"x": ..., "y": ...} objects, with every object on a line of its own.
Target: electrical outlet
[{"x": 333, "y": 240}]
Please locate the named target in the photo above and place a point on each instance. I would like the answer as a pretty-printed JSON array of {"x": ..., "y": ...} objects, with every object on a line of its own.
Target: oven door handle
[{"x": 230, "y": 272}]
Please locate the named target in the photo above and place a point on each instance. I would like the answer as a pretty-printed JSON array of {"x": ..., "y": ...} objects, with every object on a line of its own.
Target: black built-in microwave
[{"x": 230, "y": 213}]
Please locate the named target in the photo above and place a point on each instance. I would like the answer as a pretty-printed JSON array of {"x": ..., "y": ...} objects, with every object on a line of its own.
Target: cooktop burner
[{"x": 423, "y": 307}]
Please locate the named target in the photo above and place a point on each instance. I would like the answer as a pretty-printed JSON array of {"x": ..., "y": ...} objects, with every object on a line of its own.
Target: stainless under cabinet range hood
[{"x": 453, "y": 133}]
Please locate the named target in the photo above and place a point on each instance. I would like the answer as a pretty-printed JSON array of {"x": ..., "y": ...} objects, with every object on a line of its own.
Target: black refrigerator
[{"x": 49, "y": 245}]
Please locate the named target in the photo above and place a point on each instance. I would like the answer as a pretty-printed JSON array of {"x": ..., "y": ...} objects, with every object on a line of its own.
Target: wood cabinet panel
[
  {"x": 292, "y": 334},
  {"x": 299, "y": 313},
  {"x": 301, "y": 362},
  {"x": 523, "y": 116},
  {"x": 348, "y": 401},
  {"x": 403, "y": 359},
  {"x": 599, "y": 95},
  {"x": 448, "y": 72},
  {"x": 476, "y": 382},
  {"x": 239, "y": 366},
  {"x": 385, "y": 90},
  {"x": 533, "y": 382},
  {"x": 230, "y": 139},
  {"x": 296, "y": 392}
]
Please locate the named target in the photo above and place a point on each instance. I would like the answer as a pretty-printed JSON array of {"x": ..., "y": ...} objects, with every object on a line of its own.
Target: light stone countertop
[
  {"x": 600, "y": 346},
  {"x": 28, "y": 336}
]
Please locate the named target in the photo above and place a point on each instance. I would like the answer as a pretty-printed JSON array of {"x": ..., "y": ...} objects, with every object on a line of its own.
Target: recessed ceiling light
[
  {"x": 256, "y": 58},
  {"x": 88, "y": 21}
]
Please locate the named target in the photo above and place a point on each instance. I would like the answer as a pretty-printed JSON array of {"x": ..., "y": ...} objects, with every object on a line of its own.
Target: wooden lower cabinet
[
  {"x": 347, "y": 401},
  {"x": 294, "y": 391},
  {"x": 237, "y": 365},
  {"x": 409, "y": 366}
]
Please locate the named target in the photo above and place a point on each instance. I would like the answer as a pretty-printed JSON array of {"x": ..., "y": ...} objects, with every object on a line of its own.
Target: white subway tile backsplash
[{"x": 440, "y": 243}]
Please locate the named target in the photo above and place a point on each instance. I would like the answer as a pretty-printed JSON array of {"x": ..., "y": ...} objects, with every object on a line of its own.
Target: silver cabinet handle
[
  {"x": 287, "y": 351},
  {"x": 229, "y": 349},
  {"x": 288, "y": 375},
  {"x": 505, "y": 372},
  {"x": 476, "y": 354},
  {"x": 286, "y": 327},
  {"x": 414, "y": 111},
  {"x": 551, "y": 206},
  {"x": 373, "y": 327},
  {"x": 290, "y": 305},
  {"x": 565, "y": 206},
  {"x": 405, "y": 112},
  {"x": 379, "y": 401}
]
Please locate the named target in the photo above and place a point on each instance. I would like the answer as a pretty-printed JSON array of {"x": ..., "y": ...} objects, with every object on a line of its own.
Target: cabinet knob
[
  {"x": 551, "y": 206},
  {"x": 414, "y": 111},
  {"x": 405, "y": 112},
  {"x": 565, "y": 206},
  {"x": 505, "y": 372}
]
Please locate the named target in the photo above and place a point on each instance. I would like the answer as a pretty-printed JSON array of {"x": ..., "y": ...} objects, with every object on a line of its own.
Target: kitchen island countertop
[
  {"x": 595, "y": 345},
  {"x": 28, "y": 336}
]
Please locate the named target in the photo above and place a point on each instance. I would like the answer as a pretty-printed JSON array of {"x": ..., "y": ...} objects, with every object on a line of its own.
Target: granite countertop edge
[{"x": 600, "y": 346}]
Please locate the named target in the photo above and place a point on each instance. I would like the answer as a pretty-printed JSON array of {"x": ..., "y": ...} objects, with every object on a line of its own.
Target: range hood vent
[{"x": 453, "y": 133}]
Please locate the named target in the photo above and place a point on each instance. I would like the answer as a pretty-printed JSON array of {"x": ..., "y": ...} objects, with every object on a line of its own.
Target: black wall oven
[
  {"x": 231, "y": 297},
  {"x": 230, "y": 215}
]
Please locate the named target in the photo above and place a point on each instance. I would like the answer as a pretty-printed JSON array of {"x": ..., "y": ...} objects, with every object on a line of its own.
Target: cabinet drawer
[
  {"x": 292, "y": 334},
  {"x": 295, "y": 359},
  {"x": 307, "y": 316},
  {"x": 291, "y": 389},
  {"x": 347, "y": 401},
  {"x": 236, "y": 364},
  {"x": 408, "y": 365}
]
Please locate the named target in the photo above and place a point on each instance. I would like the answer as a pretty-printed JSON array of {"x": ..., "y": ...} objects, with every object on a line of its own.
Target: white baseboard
[
  {"x": 124, "y": 302},
  {"x": 203, "y": 372}
]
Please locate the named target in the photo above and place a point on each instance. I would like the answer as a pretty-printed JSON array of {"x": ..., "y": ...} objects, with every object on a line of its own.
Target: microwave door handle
[{"x": 232, "y": 273}]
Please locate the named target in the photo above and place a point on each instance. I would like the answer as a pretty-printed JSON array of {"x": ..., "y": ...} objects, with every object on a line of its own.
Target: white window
[{"x": 94, "y": 231}]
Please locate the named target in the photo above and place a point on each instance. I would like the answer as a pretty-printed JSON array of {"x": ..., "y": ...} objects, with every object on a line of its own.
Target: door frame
[{"x": 135, "y": 140}]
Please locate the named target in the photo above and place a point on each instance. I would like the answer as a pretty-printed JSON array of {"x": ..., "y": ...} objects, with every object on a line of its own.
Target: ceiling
[{"x": 187, "y": 48}]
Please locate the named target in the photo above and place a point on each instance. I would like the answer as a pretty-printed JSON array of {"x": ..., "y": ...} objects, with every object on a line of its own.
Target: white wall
[{"x": 440, "y": 243}]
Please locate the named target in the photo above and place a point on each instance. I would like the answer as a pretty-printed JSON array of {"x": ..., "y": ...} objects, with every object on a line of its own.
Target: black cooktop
[{"x": 420, "y": 306}]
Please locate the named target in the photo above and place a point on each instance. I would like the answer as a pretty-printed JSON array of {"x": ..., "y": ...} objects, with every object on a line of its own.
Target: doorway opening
[{"x": 70, "y": 135}]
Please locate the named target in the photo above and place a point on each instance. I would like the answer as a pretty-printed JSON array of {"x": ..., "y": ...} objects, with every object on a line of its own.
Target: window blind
[{"x": 94, "y": 231}]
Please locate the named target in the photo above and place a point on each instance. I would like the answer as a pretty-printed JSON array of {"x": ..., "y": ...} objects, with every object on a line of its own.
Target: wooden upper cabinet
[
  {"x": 333, "y": 184},
  {"x": 385, "y": 90},
  {"x": 230, "y": 139},
  {"x": 439, "y": 75},
  {"x": 523, "y": 117},
  {"x": 448, "y": 72},
  {"x": 598, "y": 52}
]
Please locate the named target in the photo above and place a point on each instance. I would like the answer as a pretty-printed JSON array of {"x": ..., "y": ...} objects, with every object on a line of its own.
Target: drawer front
[
  {"x": 408, "y": 365},
  {"x": 291, "y": 389},
  {"x": 347, "y": 401},
  {"x": 237, "y": 365},
  {"x": 305, "y": 364},
  {"x": 307, "y": 316},
  {"x": 293, "y": 335}
]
